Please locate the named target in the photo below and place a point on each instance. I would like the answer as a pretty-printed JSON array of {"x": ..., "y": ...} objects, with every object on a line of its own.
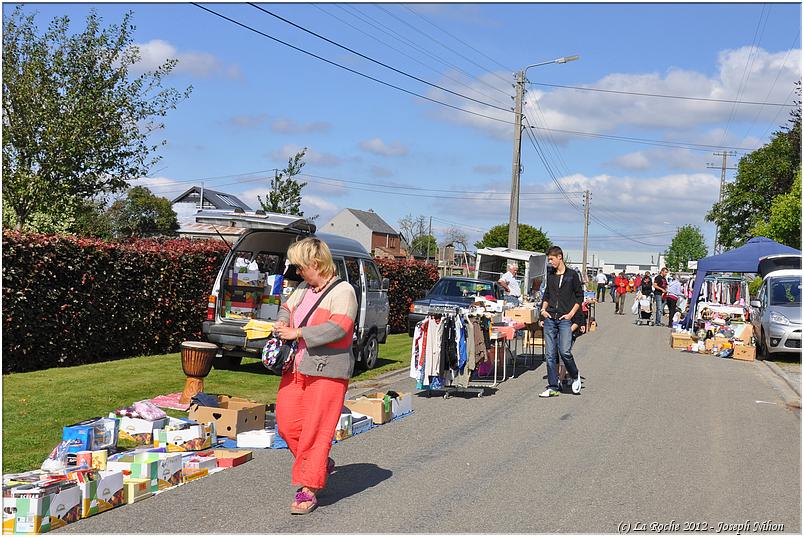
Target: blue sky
[{"x": 255, "y": 102}]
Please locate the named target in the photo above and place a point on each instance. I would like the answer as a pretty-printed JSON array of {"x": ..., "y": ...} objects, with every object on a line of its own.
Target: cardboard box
[
  {"x": 522, "y": 315},
  {"x": 344, "y": 428},
  {"x": 229, "y": 458},
  {"x": 137, "y": 488},
  {"x": 401, "y": 405},
  {"x": 197, "y": 462},
  {"x": 40, "y": 515},
  {"x": 680, "y": 341},
  {"x": 191, "y": 474},
  {"x": 259, "y": 439},
  {"x": 361, "y": 424},
  {"x": 163, "y": 467},
  {"x": 746, "y": 353},
  {"x": 102, "y": 495},
  {"x": 374, "y": 405},
  {"x": 139, "y": 431},
  {"x": 194, "y": 438},
  {"x": 91, "y": 435},
  {"x": 235, "y": 415}
]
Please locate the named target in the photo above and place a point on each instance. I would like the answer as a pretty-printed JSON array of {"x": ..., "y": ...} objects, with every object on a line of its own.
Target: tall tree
[
  {"x": 530, "y": 238},
  {"x": 425, "y": 245},
  {"x": 75, "y": 124},
  {"x": 784, "y": 221},
  {"x": 286, "y": 192},
  {"x": 456, "y": 237},
  {"x": 412, "y": 227},
  {"x": 142, "y": 214},
  {"x": 762, "y": 175},
  {"x": 687, "y": 245}
]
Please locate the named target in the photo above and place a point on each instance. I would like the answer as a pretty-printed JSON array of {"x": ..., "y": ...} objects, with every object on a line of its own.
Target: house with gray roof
[{"x": 369, "y": 229}]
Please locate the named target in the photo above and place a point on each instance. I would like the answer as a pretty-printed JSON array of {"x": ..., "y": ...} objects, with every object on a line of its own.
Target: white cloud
[
  {"x": 632, "y": 161},
  {"x": 587, "y": 111},
  {"x": 311, "y": 157},
  {"x": 672, "y": 158},
  {"x": 289, "y": 126},
  {"x": 200, "y": 64},
  {"x": 246, "y": 121},
  {"x": 378, "y": 147},
  {"x": 161, "y": 184}
]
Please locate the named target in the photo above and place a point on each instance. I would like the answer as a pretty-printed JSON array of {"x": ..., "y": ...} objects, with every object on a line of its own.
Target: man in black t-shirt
[{"x": 659, "y": 289}]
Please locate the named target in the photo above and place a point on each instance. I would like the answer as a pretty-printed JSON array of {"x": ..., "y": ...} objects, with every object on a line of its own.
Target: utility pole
[
  {"x": 723, "y": 167},
  {"x": 587, "y": 198},
  {"x": 201, "y": 202},
  {"x": 516, "y": 166},
  {"x": 429, "y": 236}
]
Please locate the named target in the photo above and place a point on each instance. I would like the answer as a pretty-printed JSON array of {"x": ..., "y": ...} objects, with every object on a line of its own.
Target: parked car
[
  {"x": 451, "y": 292},
  {"x": 776, "y": 311},
  {"x": 265, "y": 242}
]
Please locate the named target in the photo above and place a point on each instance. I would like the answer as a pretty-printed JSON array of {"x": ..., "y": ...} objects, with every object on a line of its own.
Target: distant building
[
  {"x": 370, "y": 230},
  {"x": 186, "y": 205}
]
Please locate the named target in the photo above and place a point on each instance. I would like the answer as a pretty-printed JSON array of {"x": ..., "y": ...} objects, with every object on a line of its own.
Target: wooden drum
[{"x": 196, "y": 361}]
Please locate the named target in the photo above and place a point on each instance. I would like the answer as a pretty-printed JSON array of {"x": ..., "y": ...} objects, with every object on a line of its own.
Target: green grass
[{"x": 37, "y": 405}]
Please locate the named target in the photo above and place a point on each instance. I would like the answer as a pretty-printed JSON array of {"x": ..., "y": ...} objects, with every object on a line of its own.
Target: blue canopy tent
[{"x": 742, "y": 259}]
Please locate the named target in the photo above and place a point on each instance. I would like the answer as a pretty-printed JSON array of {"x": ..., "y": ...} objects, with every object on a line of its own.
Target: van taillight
[
  {"x": 211, "y": 307},
  {"x": 411, "y": 307}
]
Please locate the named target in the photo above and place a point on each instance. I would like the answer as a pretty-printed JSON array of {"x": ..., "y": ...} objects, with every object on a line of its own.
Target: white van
[{"x": 237, "y": 297}]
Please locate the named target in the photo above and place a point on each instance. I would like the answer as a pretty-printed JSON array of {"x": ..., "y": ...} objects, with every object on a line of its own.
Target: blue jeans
[
  {"x": 659, "y": 308},
  {"x": 558, "y": 342}
]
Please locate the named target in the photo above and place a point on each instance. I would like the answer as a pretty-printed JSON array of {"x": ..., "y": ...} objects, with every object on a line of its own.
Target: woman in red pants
[{"x": 313, "y": 388}]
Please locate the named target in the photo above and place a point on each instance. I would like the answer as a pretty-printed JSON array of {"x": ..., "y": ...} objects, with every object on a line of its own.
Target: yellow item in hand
[{"x": 258, "y": 329}]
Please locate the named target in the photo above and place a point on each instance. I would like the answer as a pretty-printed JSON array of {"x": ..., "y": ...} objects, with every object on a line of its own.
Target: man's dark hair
[{"x": 555, "y": 251}]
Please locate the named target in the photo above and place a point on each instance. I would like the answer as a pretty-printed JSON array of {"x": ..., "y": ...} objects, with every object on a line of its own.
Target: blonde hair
[{"x": 308, "y": 251}]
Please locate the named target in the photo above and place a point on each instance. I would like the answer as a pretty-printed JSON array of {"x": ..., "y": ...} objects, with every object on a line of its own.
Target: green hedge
[
  {"x": 70, "y": 301},
  {"x": 410, "y": 280}
]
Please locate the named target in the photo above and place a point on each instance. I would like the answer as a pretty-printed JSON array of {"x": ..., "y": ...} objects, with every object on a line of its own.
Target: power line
[
  {"x": 431, "y": 68},
  {"x": 665, "y": 96},
  {"x": 378, "y": 62},
  {"x": 461, "y": 41},
  {"x": 349, "y": 68}
]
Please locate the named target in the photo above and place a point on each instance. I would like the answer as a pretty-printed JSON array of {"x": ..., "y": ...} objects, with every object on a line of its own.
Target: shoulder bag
[{"x": 278, "y": 355}]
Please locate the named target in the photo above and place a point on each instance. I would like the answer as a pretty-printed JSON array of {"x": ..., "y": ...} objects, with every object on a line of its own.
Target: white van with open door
[{"x": 255, "y": 279}]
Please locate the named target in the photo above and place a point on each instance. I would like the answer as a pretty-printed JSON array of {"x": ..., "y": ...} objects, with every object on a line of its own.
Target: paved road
[{"x": 657, "y": 435}]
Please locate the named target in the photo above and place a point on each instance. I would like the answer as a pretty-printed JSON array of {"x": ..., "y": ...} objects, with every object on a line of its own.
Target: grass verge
[{"x": 37, "y": 405}]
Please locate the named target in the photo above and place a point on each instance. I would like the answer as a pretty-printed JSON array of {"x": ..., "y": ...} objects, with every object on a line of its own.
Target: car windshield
[
  {"x": 462, "y": 288},
  {"x": 786, "y": 292}
]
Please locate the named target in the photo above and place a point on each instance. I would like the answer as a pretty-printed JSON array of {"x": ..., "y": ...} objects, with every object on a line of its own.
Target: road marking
[{"x": 766, "y": 402}]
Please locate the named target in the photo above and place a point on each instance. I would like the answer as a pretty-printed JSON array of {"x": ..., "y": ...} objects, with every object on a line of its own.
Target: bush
[
  {"x": 71, "y": 301},
  {"x": 410, "y": 280}
]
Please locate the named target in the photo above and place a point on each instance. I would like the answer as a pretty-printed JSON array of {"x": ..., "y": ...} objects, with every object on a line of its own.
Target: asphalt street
[{"x": 656, "y": 437}]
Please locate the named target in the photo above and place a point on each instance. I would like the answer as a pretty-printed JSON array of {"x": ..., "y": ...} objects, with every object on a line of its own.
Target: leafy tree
[
  {"x": 530, "y": 238},
  {"x": 687, "y": 245},
  {"x": 762, "y": 175},
  {"x": 75, "y": 124},
  {"x": 455, "y": 237},
  {"x": 421, "y": 244},
  {"x": 784, "y": 223},
  {"x": 286, "y": 192},
  {"x": 411, "y": 228},
  {"x": 142, "y": 213}
]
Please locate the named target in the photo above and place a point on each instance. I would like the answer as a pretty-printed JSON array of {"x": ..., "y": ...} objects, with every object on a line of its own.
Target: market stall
[
  {"x": 491, "y": 264},
  {"x": 740, "y": 260}
]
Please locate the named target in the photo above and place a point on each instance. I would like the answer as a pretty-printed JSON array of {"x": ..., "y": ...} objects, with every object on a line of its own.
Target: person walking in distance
[
  {"x": 621, "y": 282},
  {"x": 563, "y": 296},
  {"x": 659, "y": 290},
  {"x": 600, "y": 291}
]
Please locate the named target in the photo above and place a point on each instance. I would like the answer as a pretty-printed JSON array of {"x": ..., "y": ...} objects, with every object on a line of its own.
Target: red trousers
[{"x": 307, "y": 413}]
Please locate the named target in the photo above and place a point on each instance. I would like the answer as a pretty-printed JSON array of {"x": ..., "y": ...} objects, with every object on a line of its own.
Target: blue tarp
[{"x": 742, "y": 259}]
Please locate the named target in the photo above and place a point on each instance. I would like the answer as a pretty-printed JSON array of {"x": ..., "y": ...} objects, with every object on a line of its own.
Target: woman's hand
[{"x": 287, "y": 333}]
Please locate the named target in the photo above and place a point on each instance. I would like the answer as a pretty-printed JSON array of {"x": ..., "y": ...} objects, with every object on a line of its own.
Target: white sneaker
[
  {"x": 576, "y": 385},
  {"x": 549, "y": 393}
]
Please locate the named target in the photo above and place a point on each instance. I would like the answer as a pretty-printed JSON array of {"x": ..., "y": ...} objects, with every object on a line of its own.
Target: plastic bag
[
  {"x": 57, "y": 460},
  {"x": 635, "y": 307},
  {"x": 148, "y": 411}
]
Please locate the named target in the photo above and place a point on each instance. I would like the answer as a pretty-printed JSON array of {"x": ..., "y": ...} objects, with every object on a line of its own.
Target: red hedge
[
  {"x": 410, "y": 280},
  {"x": 70, "y": 301}
]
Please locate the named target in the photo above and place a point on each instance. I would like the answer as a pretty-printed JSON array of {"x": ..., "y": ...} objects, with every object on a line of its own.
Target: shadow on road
[{"x": 352, "y": 479}]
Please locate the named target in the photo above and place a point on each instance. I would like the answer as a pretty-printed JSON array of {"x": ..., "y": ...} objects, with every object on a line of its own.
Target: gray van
[{"x": 265, "y": 242}]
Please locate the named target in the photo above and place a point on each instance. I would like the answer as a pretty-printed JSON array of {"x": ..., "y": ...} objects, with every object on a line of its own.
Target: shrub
[
  {"x": 410, "y": 280},
  {"x": 71, "y": 301}
]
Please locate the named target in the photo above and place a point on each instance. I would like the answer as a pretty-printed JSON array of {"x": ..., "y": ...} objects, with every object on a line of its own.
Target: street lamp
[{"x": 513, "y": 215}]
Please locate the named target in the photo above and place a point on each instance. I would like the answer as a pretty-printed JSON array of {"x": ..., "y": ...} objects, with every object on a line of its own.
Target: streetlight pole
[{"x": 516, "y": 166}]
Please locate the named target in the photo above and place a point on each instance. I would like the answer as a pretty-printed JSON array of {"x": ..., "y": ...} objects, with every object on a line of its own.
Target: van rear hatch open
[
  {"x": 772, "y": 263},
  {"x": 257, "y": 220}
]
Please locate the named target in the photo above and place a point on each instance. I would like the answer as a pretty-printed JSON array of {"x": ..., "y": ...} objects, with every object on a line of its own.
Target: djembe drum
[{"x": 196, "y": 361}]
